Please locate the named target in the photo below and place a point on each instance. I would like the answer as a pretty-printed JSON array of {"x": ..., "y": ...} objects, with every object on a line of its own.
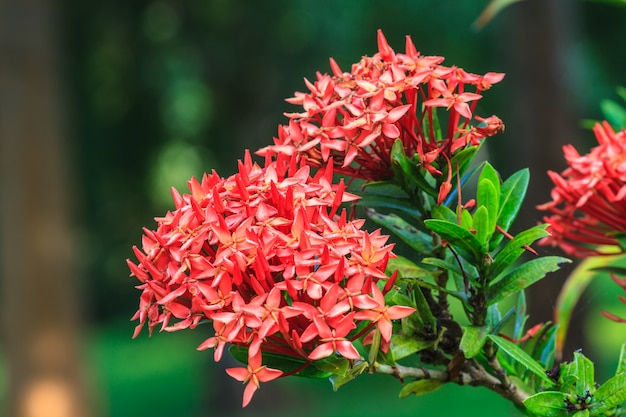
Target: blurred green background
[{"x": 154, "y": 92}]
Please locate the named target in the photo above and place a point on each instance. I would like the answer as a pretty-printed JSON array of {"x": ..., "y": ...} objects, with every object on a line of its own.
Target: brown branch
[{"x": 473, "y": 374}]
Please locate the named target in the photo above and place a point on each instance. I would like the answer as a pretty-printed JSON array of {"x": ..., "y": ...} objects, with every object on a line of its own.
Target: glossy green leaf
[
  {"x": 480, "y": 223},
  {"x": 522, "y": 277},
  {"x": 453, "y": 268},
  {"x": 621, "y": 363},
  {"x": 514, "y": 249},
  {"x": 406, "y": 171},
  {"x": 390, "y": 203},
  {"x": 520, "y": 316},
  {"x": 512, "y": 193},
  {"x": 406, "y": 268},
  {"x": 489, "y": 173},
  {"x": 520, "y": 356},
  {"x": 443, "y": 213},
  {"x": 337, "y": 381},
  {"x": 473, "y": 340},
  {"x": 573, "y": 288},
  {"x": 548, "y": 404},
  {"x": 614, "y": 113},
  {"x": 337, "y": 365},
  {"x": 545, "y": 347},
  {"x": 420, "y": 387},
  {"x": 463, "y": 160},
  {"x": 423, "y": 310},
  {"x": 284, "y": 363},
  {"x": 466, "y": 218},
  {"x": 462, "y": 240},
  {"x": 584, "y": 372},
  {"x": 581, "y": 413},
  {"x": 488, "y": 194},
  {"x": 609, "y": 395},
  {"x": 402, "y": 346},
  {"x": 495, "y": 321},
  {"x": 416, "y": 239}
]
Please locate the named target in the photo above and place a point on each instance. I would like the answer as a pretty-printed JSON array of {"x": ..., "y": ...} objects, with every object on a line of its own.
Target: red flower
[
  {"x": 253, "y": 375},
  {"x": 588, "y": 206},
  {"x": 269, "y": 259},
  {"x": 353, "y": 118}
]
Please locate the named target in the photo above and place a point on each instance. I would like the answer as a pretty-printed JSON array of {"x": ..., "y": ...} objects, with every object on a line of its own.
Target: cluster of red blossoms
[
  {"x": 353, "y": 118},
  {"x": 267, "y": 256},
  {"x": 588, "y": 207}
]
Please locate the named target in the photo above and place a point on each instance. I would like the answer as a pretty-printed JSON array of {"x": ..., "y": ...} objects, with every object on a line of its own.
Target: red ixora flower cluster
[
  {"x": 353, "y": 118},
  {"x": 588, "y": 207},
  {"x": 266, "y": 256}
]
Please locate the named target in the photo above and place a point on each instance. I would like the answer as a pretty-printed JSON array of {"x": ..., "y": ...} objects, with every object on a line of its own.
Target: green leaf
[
  {"x": 417, "y": 240},
  {"x": 609, "y": 395},
  {"x": 545, "y": 346},
  {"x": 466, "y": 218},
  {"x": 573, "y": 288},
  {"x": 338, "y": 381},
  {"x": 443, "y": 213},
  {"x": 473, "y": 339},
  {"x": 548, "y": 404},
  {"x": 514, "y": 249},
  {"x": 463, "y": 160},
  {"x": 488, "y": 196},
  {"x": 522, "y": 357},
  {"x": 337, "y": 365},
  {"x": 520, "y": 316},
  {"x": 493, "y": 8},
  {"x": 522, "y": 277},
  {"x": 402, "y": 346},
  {"x": 406, "y": 172},
  {"x": 423, "y": 310},
  {"x": 462, "y": 240},
  {"x": 621, "y": 363},
  {"x": 581, "y": 413},
  {"x": 489, "y": 173},
  {"x": 584, "y": 372},
  {"x": 614, "y": 113},
  {"x": 406, "y": 268},
  {"x": 284, "y": 363},
  {"x": 391, "y": 203},
  {"x": 420, "y": 387},
  {"x": 512, "y": 193},
  {"x": 480, "y": 223}
]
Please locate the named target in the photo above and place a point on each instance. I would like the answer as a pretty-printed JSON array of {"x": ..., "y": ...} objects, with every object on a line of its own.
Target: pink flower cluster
[
  {"x": 588, "y": 206},
  {"x": 267, "y": 256},
  {"x": 353, "y": 118}
]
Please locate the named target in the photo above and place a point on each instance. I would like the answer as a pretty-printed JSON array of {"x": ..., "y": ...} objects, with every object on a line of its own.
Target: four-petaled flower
[{"x": 253, "y": 375}]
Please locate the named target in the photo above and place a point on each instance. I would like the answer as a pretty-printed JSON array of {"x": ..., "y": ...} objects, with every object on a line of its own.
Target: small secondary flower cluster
[
  {"x": 353, "y": 118},
  {"x": 588, "y": 207},
  {"x": 267, "y": 257}
]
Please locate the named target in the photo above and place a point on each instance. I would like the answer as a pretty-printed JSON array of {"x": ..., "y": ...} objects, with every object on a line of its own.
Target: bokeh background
[{"x": 106, "y": 105}]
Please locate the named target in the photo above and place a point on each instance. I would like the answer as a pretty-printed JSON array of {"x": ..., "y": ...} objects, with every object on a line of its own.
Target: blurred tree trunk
[
  {"x": 541, "y": 33},
  {"x": 40, "y": 333}
]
